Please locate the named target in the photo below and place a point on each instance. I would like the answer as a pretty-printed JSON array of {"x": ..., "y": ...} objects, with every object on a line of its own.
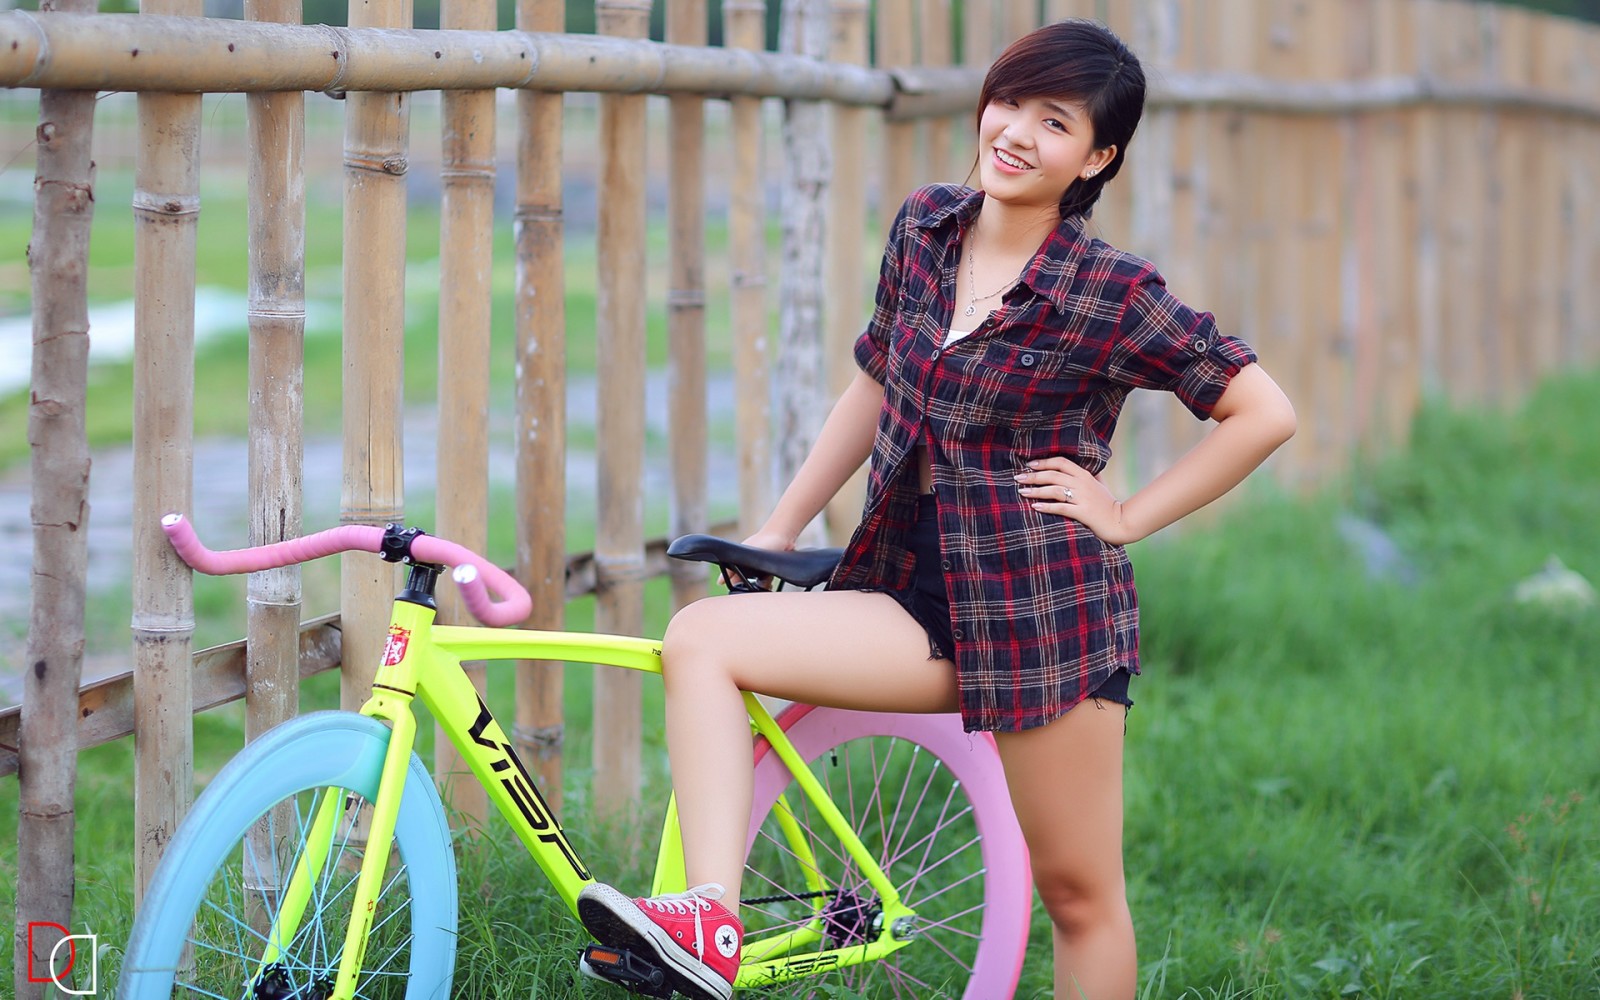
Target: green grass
[
  {"x": 1341, "y": 786},
  {"x": 1338, "y": 786}
]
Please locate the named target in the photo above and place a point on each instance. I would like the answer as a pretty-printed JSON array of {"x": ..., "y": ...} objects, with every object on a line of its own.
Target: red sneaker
[{"x": 695, "y": 938}]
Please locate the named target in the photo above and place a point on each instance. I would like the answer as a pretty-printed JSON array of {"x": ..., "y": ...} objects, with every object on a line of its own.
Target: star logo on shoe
[{"x": 727, "y": 941}]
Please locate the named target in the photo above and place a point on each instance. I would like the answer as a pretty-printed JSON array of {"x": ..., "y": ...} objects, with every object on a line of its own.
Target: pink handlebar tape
[{"x": 475, "y": 575}]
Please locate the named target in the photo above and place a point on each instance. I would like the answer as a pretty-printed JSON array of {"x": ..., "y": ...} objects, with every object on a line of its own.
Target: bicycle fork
[{"x": 394, "y": 708}]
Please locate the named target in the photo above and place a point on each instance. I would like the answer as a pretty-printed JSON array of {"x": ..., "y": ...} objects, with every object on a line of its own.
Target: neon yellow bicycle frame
[{"x": 423, "y": 660}]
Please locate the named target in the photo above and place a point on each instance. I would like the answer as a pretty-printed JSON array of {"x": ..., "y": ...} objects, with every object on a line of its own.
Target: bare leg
[
  {"x": 1066, "y": 786},
  {"x": 839, "y": 648}
]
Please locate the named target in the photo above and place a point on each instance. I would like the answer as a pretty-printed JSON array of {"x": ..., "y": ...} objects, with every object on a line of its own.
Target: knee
[
  {"x": 690, "y": 648},
  {"x": 1080, "y": 901}
]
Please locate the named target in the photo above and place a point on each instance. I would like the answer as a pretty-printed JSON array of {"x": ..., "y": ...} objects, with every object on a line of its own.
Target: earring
[{"x": 1092, "y": 171}]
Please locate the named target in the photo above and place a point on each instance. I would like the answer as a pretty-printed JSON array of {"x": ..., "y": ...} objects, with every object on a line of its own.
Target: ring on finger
[{"x": 1066, "y": 492}]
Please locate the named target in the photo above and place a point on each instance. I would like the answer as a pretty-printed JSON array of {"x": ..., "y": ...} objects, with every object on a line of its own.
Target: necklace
[{"x": 973, "y": 298}]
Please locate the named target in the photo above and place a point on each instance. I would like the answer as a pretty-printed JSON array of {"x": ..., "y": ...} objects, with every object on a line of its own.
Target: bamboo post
[
  {"x": 58, "y": 264},
  {"x": 686, "y": 306},
  {"x": 847, "y": 293},
  {"x": 1187, "y": 259},
  {"x": 466, "y": 263},
  {"x": 1304, "y": 343},
  {"x": 541, "y": 405},
  {"x": 620, "y": 346},
  {"x": 1455, "y": 55},
  {"x": 1059, "y": 10},
  {"x": 744, "y": 27},
  {"x": 800, "y": 400},
  {"x": 1581, "y": 298},
  {"x": 1519, "y": 335},
  {"x": 1384, "y": 265},
  {"x": 977, "y": 33},
  {"x": 166, "y": 209},
  {"x": 1490, "y": 255},
  {"x": 1148, "y": 172},
  {"x": 1113, "y": 214},
  {"x": 892, "y": 47},
  {"x": 376, "y": 130},
  {"x": 1318, "y": 52},
  {"x": 1427, "y": 153},
  {"x": 938, "y": 51},
  {"x": 1018, "y": 17},
  {"x": 277, "y": 317},
  {"x": 1548, "y": 51},
  {"x": 1271, "y": 215}
]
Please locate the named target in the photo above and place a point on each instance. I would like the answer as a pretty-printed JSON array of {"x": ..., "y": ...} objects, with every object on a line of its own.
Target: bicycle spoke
[
  {"x": 912, "y": 810},
  {"x": 911, "y": 770},
  {"x": 229, "y": 944}
]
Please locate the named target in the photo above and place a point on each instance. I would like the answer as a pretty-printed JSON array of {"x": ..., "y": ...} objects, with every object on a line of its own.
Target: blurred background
[{"x": 1362, "y": 761}]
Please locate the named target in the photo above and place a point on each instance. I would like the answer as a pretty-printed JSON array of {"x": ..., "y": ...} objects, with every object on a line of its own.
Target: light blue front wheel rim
[{"x": 200, "y": 889}]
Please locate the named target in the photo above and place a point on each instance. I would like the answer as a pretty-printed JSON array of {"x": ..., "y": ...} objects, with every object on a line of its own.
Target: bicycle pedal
[{"x": 625, "y": 969}]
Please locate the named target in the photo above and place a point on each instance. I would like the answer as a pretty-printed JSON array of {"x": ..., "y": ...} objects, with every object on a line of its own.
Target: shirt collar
[{"x": 1051, "y": 271}]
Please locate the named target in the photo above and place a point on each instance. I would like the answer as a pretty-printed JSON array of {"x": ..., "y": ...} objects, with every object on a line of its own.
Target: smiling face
[{"x": 1031, "y": 149}]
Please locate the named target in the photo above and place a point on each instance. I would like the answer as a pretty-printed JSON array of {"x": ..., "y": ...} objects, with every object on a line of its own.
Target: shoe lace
[{"x": 696, "y": 901}]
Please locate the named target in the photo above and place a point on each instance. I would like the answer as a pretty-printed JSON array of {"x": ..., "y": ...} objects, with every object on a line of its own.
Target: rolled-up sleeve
[
  {"x": 1163, "y": 344},
  {"x": 872, "y": 347}
]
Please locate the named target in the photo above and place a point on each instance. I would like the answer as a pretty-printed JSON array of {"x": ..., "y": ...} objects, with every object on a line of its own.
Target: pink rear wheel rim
[{"x": 933, "y": 800}]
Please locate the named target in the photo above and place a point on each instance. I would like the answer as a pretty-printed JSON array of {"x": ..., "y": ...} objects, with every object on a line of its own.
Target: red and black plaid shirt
[{"x": 1042, "y": 611}]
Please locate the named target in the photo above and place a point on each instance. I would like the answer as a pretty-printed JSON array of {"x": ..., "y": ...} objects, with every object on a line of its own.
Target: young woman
[{"x": 1004, "y": 342}]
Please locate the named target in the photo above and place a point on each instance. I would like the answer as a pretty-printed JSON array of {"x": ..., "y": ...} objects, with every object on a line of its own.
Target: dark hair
[{"x": 1083, "y": 62}]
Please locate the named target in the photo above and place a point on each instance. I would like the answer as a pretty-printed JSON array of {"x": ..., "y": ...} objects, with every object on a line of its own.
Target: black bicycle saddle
[{"x": 801, "y": 567}]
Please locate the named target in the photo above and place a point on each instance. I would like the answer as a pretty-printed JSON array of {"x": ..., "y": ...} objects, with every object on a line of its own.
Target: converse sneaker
[{"x": 695, "y": 938}]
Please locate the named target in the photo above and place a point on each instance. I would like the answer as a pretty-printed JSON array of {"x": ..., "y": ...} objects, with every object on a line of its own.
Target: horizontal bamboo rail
[
  {"x": 105, "y": 706},
  {"x": 83, "y": 51},
  {"x": 129, "y": 51}
]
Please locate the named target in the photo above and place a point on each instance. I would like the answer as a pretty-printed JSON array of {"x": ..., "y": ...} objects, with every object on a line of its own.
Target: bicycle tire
[
  {"x": 298, "y": 759},
  {"x": 949, "y": 842}
]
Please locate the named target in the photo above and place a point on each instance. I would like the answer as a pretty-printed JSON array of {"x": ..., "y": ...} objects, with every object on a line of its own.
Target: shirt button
[
  {"x": 1200, "y": 346},
  {"x": 957, "y": 634},
  {"x": 944, "y": 564},
  {"x": 1027, "y": 360},
  {"x": 936, "y": 355}
]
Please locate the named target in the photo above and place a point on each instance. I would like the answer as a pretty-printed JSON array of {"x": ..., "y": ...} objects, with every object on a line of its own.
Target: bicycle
[{"x": 318, "y": 863}]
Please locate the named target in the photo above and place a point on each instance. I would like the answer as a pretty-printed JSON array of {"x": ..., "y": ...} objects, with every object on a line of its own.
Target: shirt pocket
[{"x": 1012, "y": 385}]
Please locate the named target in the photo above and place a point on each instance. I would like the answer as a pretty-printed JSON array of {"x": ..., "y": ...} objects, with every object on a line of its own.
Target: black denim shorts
[{"x": 928, "y": 601}]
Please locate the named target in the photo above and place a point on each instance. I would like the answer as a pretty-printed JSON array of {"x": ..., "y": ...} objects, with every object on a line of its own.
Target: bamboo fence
[
  {"x": 47, "y": 749},
  {"x": 1391, "y": 199}
]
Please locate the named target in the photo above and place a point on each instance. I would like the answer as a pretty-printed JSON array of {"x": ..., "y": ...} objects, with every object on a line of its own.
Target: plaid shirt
[{"x": 1042, "y": 611}]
